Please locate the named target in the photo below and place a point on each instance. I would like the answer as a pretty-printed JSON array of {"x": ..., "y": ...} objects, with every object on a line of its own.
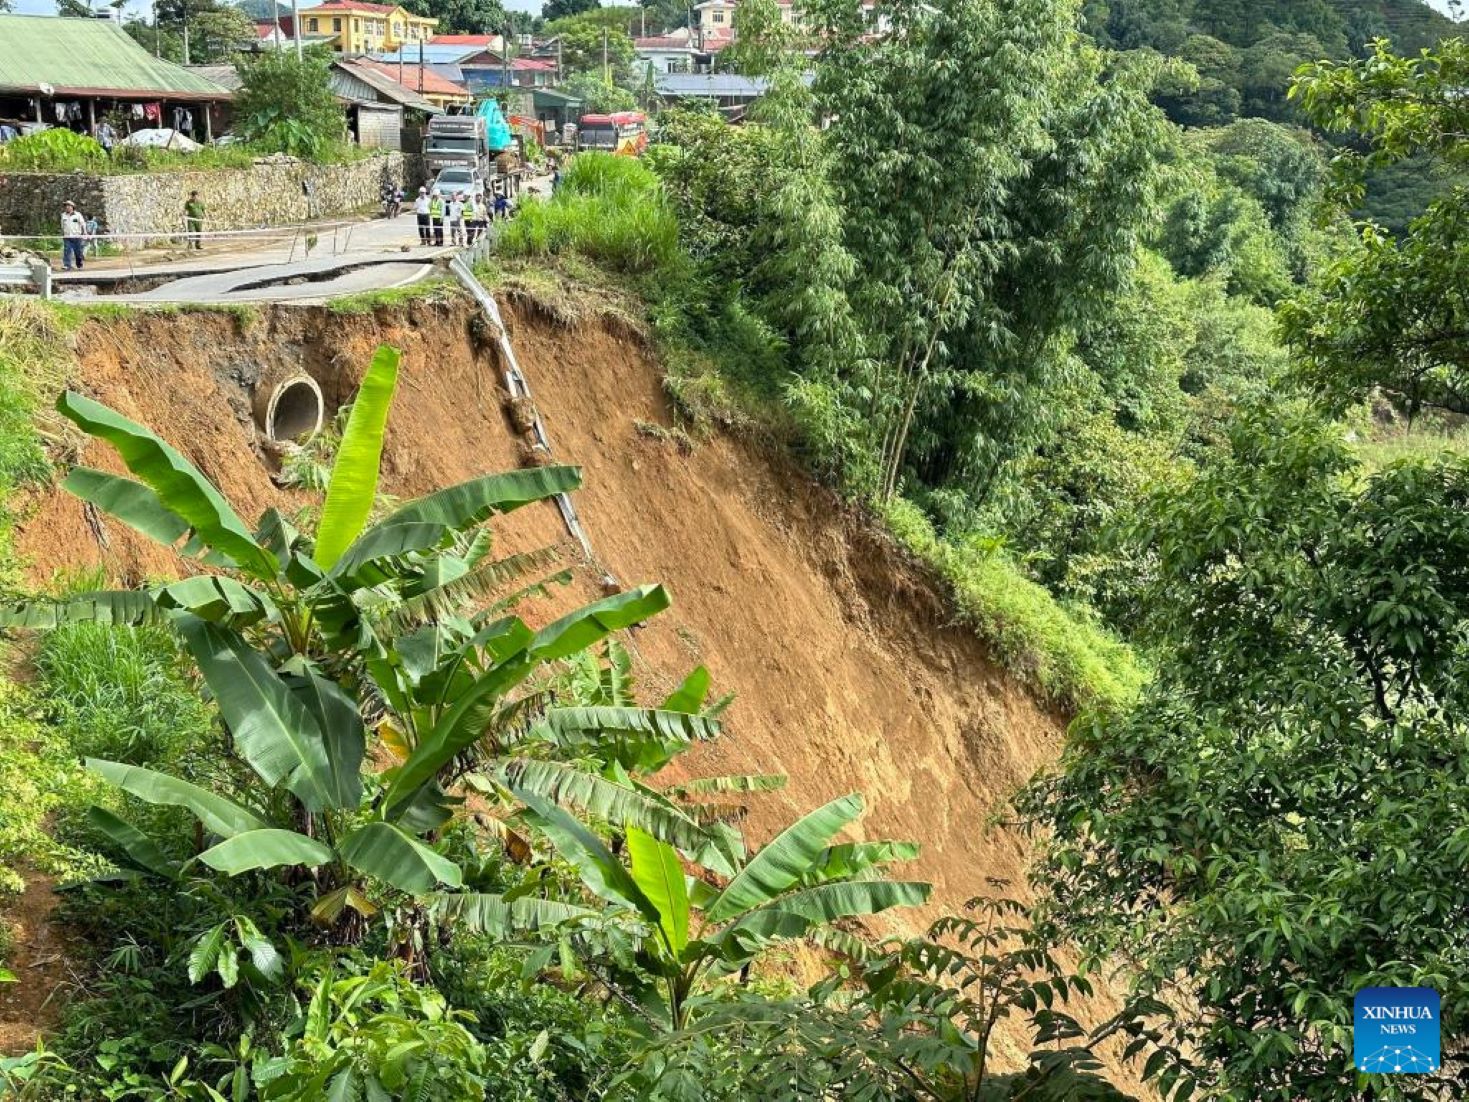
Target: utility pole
[
  {"x": 606, "y": 72},
  {"x": 420, "y": 66},
  {"x": 296, "y": 26}
]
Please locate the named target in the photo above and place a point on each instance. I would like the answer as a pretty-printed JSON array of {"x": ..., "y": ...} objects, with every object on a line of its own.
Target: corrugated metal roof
[
  {"x": 709, "y": 84},
  {"x": 383, "y": 85},
  {"x": 80, "y": 57},
  {"x": 432, "y": 55},
  {"x": 425, "y": 80},
  {"x": 225, "y": 76}
]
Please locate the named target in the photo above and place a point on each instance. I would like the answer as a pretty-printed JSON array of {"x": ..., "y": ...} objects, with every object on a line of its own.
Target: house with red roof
[{"x": 673, "y": 52}]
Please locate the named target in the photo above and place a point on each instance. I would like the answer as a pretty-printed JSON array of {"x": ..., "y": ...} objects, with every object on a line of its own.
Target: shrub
[{"x": 54, "y": 150}]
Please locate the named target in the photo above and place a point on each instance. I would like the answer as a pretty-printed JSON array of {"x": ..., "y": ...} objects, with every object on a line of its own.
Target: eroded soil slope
[{"x": 848, "y": 674}]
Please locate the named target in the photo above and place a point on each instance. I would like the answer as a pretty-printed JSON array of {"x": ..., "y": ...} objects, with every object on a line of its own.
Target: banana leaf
[
  {"x": 222, "y": 816},
  {"x": 690, "y": 696},
  {"x": 217, "y": 598},
  {"x": 471, "y": 502},
  {"x": 273, "y": 730},
  {"x": 388, "y": 854},
  {"x": 128, "y": 501},
  {"x": 341, "y": 726},
  {"x": 141, "y": 851},
  {"x": 786, "y": 858},
  {"x": 352, "y": 489},
  {"x": 481, "y": 913},
  {"x": 656, "y": 870},
  {"x": 600, "y": 871},
  {"x": 177, "y": 485},
  {"x": 110, "y": 606},
  {"x": 623, "y": 806},
  {"x": 371, "y": 559},
  {"x": 825, "y": 903},
  {"x": 265, "y": 849}
]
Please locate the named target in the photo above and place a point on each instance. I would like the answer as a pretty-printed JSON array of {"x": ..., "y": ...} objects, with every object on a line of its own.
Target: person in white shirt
[
  {"x": 73, "y": 236},
  {"x": 420, "y": 210},
  {"x": 456, "y": 219}
]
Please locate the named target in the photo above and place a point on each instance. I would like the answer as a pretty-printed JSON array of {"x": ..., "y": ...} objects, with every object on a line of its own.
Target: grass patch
[
  {"x": 366, "y": 302},
  {"x": 1064, "y": 658},
  {"x": 608, "y": 209},
  {"x": 567, "y": 289},
  {"x": 119, "y": 693},
  {"x": 1380, "y": 445}
]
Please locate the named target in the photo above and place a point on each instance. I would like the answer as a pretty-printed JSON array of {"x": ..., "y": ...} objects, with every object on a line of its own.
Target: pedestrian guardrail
[{"x": 30, "y": 273}]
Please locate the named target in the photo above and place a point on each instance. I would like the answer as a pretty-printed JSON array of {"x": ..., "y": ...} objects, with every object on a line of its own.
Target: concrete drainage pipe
[{"x": 292, "y": 411}]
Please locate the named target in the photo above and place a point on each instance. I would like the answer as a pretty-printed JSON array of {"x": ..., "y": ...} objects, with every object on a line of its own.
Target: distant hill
[
  {"x": 261, "y": 11},
  {"x": 1410, "y": 24}
]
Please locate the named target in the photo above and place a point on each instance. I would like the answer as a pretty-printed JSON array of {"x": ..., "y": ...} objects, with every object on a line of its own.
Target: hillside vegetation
[{"x": 373, "y": 802}]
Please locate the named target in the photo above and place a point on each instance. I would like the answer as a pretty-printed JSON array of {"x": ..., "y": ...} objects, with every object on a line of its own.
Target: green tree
[
  {"x": 984, "y": 222},
  {"x": 463, "y": 16},
  {"x": 797, "y": 883},
  {"x": 599, "y": 96},
  {"x": 1272, "y": 828},
  {"x": 299, "y": 625},
  {"x": 586, "y": 39},
  {"x": 557, "y": 9},
  {"x": 287, "y": 105},
  {"x": 1390, "y": 314}
]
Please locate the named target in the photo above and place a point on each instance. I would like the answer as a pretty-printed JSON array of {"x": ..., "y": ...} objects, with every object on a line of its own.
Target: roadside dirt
[
  {"x": 37, "y": 958},
  {"x": 849, "y": 674}
]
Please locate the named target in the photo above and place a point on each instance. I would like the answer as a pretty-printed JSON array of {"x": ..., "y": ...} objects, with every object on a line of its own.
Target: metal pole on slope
[{"x": 296, "y": 26}]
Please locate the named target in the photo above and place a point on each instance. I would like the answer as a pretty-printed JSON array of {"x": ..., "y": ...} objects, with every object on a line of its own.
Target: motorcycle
[{"x": 392, "y": 203}]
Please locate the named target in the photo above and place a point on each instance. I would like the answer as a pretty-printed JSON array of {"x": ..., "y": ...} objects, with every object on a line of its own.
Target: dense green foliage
[
  {"x": 363, "y": 833},
  {"x": 285, "y": 105},
  {"x": 1271, "y": 828}
]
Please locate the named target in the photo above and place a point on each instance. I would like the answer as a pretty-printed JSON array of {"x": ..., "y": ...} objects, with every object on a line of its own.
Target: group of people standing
[{"x": 466, "y": 216}]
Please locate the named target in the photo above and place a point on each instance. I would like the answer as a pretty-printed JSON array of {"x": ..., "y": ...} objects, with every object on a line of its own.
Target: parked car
[{"x": 451, "y": 181}]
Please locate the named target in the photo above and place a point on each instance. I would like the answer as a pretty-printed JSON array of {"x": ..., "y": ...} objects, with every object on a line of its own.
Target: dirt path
[{"x": 38, "y": 958}]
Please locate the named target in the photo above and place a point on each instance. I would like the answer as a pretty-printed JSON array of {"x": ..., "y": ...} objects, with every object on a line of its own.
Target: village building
[
  {"x": 353, "y": 27},
  {"x": 77, "y": 73},
  {"x": 673, "y": 52}
]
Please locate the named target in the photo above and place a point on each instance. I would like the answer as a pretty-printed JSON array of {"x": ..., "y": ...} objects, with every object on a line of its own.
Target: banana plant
[
  {"x": 796, "y": 884},
  {"x": 295, "y": 635}
]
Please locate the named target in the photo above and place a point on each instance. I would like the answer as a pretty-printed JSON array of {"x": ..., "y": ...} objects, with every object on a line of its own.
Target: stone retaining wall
[{"x": 269, "y": 193}]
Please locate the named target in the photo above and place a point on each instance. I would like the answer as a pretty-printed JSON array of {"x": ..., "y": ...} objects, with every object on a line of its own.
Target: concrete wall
[{"x": 267, "y": 194}]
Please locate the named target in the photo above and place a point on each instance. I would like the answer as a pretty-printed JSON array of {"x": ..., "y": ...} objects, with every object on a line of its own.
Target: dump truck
[{"x": 482, "y": 143}]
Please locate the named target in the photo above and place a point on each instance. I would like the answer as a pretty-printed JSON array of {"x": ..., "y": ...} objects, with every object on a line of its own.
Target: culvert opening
[{"x": 295, "y": 411}]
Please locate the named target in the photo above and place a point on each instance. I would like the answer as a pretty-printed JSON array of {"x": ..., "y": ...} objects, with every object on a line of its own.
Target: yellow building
[{"x": 359, "y": 28}]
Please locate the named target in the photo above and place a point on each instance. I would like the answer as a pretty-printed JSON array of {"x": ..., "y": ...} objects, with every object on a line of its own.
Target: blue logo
[{"x": 1396, "y": 1031}]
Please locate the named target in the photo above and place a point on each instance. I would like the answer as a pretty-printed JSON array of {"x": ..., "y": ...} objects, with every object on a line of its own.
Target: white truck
[{"x": 457, "y": 141}]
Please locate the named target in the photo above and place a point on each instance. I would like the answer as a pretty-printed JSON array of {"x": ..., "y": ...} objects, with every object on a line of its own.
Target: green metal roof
[
  {"x": 550, "y": 97},
  {"x": 89, "y": 57}
]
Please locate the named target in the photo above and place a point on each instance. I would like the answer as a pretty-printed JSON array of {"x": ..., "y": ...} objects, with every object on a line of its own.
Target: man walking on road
[
  {"x": 436, "y": 216},
  {"x": 73, "y": 236},
  {"x": 194, "y": 220},
  {"x": 420, "y": 211}
]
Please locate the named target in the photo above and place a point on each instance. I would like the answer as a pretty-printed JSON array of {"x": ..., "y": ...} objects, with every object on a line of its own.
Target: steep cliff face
[{"x": 847, "y": 672}]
